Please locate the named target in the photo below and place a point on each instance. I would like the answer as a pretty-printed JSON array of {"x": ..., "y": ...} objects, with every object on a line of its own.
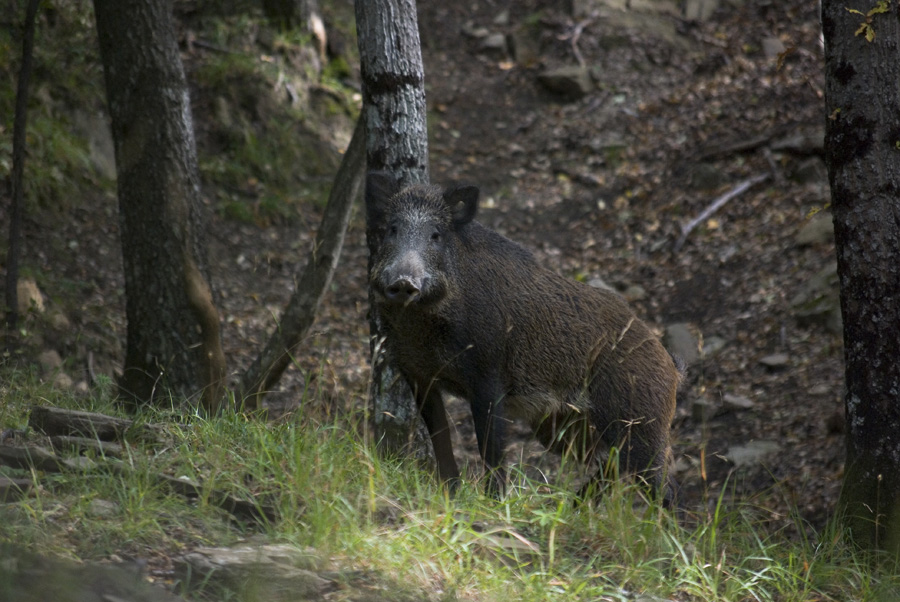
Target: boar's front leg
[
  {"x": 489, "y": 432},
  {"x": 434, "y": 414}
]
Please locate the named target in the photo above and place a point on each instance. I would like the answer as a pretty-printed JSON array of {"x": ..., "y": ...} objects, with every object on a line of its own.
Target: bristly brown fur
[{"x": 470, "y": 313}]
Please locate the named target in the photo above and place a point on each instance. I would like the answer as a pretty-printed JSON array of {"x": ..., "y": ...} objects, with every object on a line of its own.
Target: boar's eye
[
  {"x": 435, "y": 236},
  {"x": 392, "y": 231}
]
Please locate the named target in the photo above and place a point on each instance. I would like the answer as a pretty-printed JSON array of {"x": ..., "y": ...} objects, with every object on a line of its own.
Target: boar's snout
[{"x": 402, "y": 291}]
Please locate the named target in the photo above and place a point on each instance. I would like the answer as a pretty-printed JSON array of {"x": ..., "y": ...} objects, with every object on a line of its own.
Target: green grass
[{"x": 334, "y": 494}]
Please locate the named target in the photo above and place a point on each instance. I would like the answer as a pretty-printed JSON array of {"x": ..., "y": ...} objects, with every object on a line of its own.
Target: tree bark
[
  {"x": 862, "y": 142},
  {"x": 301, "y": 310},
  {"x": 393, "y": 79},
  {"x": 173, "y": 344},
  {"x": 17, "y": 180}
]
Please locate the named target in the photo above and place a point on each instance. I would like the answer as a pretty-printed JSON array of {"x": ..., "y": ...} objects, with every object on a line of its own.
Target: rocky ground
[
  {"x": 596, "y": 133},
  {"x": 655, "y": 119}
]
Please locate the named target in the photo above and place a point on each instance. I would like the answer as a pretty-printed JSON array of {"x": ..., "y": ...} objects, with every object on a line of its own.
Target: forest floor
[{"x": 599, "y": 186}]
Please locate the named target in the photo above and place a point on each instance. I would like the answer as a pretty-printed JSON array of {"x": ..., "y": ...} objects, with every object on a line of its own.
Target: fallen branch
[
  {"x": 87, "y": 445},
  {"x": 576, "y": 35},
  {"x": 96, "y": 431},
  {"x": 258, "y": 512},
  {"x": 796, "y": 140},
  {"x": 60, "y": 422},
  {"x": 43, "y": 460},
  {"x": 717, "y": 204},
  {"x": 743, "y": 145},
  {"x": 36, "y": 458},
  {"x": 12, "y": 490}
]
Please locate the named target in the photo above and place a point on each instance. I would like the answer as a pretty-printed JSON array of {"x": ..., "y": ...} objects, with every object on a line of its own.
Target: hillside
[{"x": 656, "y": 116}]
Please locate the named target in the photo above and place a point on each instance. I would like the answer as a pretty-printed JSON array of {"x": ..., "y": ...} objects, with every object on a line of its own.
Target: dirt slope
[{"x": 675, "y": 114}]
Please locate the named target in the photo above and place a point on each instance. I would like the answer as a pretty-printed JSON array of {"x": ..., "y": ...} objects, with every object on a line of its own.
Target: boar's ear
[
  {"x": 463, "y": 203},
  {"x": 380, "y": 187}
]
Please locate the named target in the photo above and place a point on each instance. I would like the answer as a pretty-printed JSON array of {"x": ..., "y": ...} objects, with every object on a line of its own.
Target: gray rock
[
  {"x": 775, "y": 361},
  {"x": 699, "y": 10},
  {"x": 679, "y": 340},
  {"x": 59, "y": 322},
  {"x": 572, "y": 82},
  {"x": 29, "y": 296},
  {"x": 682, "y": 465},
  {"x": 736, "y": 403},
  {"x": 820, "y": 389},
  {"x": 598, "y": 282},
  {"x": 818, "y": 303},
  {"x": 525, "y": 46},
  {"x": 473, "y": 31},
  {"x": 634, "y": 292},
  {"x": 585, "y": 8},
  {"x": 27, "y": 577},
  {"x": 63, "y": 381},
  {"x": 609, "y": 142},
  {"x": 259, "y": 572},
  {"x": 819, "y": 229},
  {"x": 49, "y": 361},
  {"x": 727, "y": 253},
  {"x": 712, "y": 345},
  {"x": 102, "y": 508},
  {"x": 14, "y": 489},
  {"x": 751, "y": 453},
  {"x": 772, "y": 47},
  {"x": 494, "y": 45}
]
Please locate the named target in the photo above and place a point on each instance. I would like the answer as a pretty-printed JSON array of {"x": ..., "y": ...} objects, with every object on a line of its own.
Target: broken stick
[{"x": 717, "y": 204}]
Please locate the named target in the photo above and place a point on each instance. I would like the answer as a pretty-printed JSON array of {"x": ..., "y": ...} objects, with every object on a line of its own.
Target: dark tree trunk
[
  {"x": 862, "y": 142},
  {"x": 173, "y": 342},
  {"x": 17, "y": 179},
  {"x": 393, "y": 79}
]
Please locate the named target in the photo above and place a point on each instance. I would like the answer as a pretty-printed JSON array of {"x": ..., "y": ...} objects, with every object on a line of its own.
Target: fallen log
[{"x": 74, "y": 423}]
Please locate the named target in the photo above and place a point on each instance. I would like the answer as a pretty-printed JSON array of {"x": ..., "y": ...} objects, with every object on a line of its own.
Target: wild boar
[{"x": 467, "y": 312}]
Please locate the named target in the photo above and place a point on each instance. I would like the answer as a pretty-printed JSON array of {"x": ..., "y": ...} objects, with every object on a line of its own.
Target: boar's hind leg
[
  {"x": 568, "y": 434},
  {"x": 643, "y": 451},
  {"x": 485, "y": 405},
  {"x": 435, "y": 416}
]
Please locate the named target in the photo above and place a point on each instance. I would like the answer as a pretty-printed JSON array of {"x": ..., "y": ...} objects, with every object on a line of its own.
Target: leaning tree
[{"x": 862, "y": 144}]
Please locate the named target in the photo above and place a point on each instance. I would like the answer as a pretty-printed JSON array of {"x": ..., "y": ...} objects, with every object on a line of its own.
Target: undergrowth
[{"x": 333, "y": 493}]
